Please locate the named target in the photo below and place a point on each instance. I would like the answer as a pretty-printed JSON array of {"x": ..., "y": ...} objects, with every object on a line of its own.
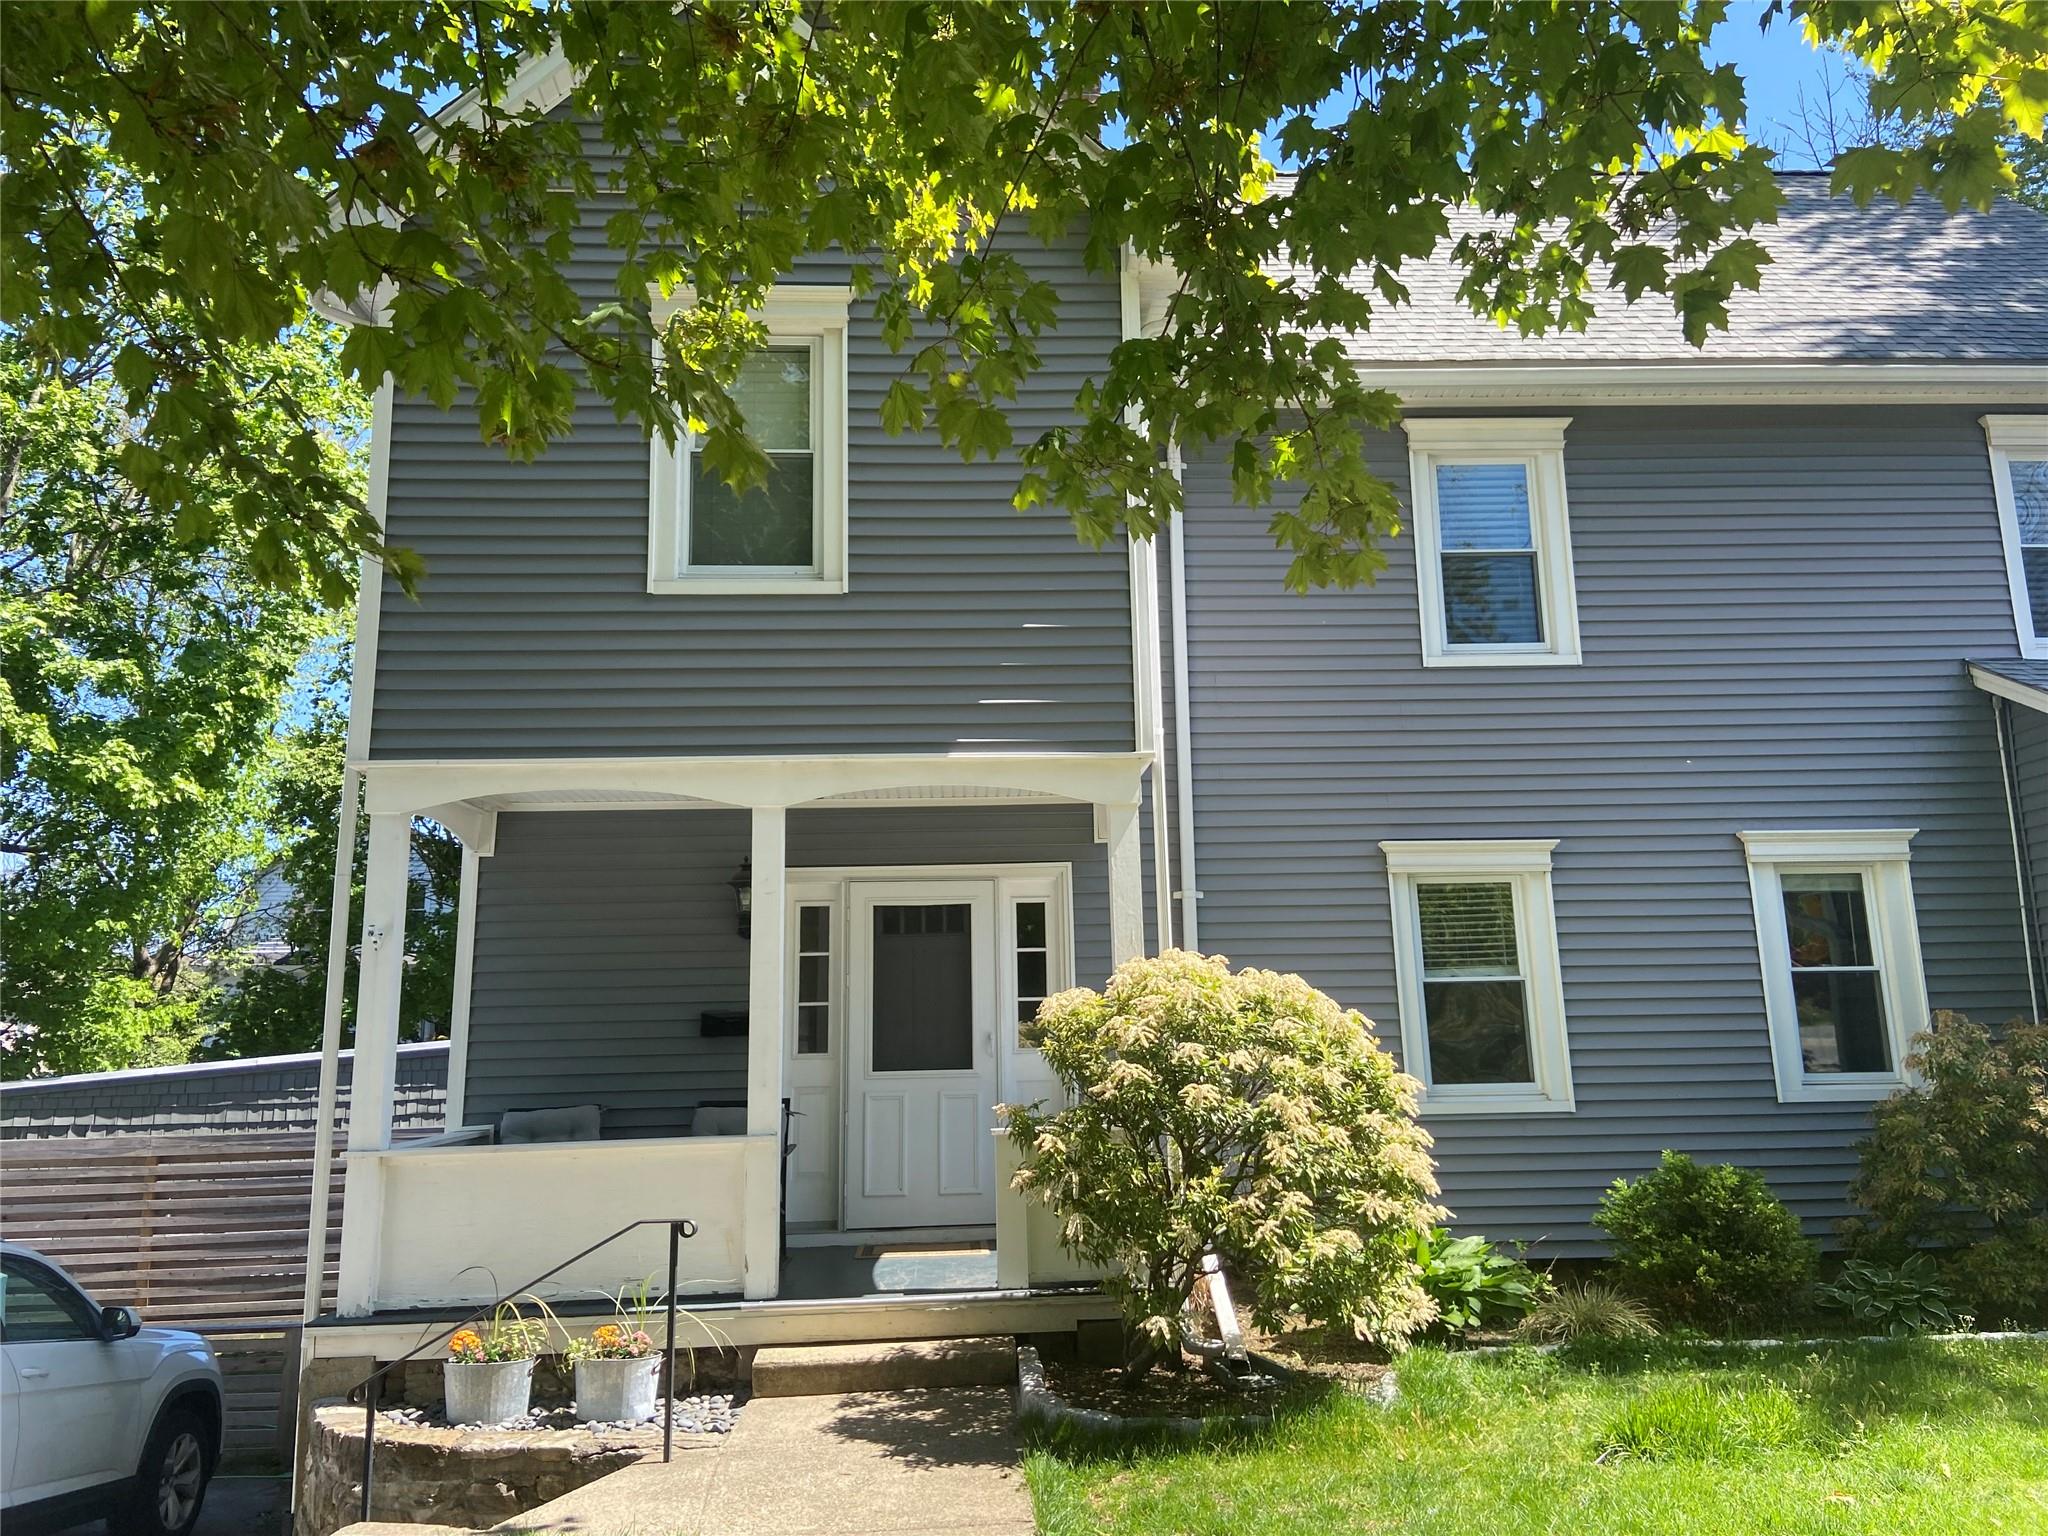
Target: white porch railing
[
  {"x": 445, "y": 1223},
  {"x": 1028, "y": 1251}
]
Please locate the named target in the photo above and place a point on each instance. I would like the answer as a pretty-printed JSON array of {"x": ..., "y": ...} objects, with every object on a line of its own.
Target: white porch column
[
  {"x": 1126, "y": 883},
  {"x": 465, "y": 974},
  {"x": 767, "y": 967},
  {"x": 376, "y": 1057},
  {"x": 379, "y": 981}
]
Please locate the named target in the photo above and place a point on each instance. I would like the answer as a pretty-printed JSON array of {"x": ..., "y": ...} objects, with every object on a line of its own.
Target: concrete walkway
[{"x": 925, "y": 1463}]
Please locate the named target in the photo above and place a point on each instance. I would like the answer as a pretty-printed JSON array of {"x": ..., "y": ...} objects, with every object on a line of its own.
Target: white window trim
[
  {"x": 1536, "y": 443},
  {"x": 809, "y": 315},
  {"x": 2011, "y": 437},
  {"x": 1524, "y": 863},
  {"x": 1883, "y": 859}
]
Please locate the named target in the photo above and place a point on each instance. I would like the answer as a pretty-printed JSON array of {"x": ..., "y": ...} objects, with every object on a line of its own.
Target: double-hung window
[
  {"x": 2019, "y": 479},
  {"x": 1840, "y": 951},
  {"x": 1492, "y": 541},
  {"x": 1475, "y": 961},
  {"x": 788, "y": 535}
]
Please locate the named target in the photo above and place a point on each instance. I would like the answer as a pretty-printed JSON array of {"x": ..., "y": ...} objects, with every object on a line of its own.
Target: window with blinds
[
  {"x": 1493, "y": 547},
  {"x": 1474, "y": 996},
  {"x": 2030, "y": 511},
  {"x": 1476, "y": 968},
  {"x": 1487, "y": 544}
]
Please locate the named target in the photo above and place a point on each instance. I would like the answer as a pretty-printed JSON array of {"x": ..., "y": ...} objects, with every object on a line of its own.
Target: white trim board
[
  {"x": 2008, "y": 438},
  {"x": 1703, "y": 382},
  {"x": 1111, "y": 778},
  {"x": 812, "y": 316}
]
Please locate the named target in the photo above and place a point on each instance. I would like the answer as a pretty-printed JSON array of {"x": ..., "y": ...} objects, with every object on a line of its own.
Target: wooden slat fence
[
  {"x": 191, "y": 1231},
  {"x": 202, "y": 1231}
]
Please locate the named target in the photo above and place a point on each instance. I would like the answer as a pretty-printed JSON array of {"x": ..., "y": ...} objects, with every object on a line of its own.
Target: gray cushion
[
  {"x": 572, "y": 1122},
  {"x": 719, "y": 1120}
]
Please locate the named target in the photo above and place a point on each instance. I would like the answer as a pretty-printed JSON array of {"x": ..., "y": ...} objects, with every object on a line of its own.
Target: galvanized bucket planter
[
  {"x": 486, "y": 1391},
  {"x": 617, "y": 1391}
]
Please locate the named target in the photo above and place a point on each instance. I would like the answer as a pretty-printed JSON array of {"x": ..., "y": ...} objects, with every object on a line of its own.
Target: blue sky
[{"x": 1774, "y": 65}]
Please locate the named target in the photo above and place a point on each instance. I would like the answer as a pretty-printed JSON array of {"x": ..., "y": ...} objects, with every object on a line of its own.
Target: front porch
[{"x": 864, "y": 1006}]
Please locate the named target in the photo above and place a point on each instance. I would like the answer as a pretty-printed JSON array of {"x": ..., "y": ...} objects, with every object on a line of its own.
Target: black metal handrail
[{"x": 678, "y": 1229}]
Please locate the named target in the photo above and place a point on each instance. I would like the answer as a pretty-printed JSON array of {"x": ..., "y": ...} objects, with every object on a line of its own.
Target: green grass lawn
[{"x": 1890, "y": 1439}]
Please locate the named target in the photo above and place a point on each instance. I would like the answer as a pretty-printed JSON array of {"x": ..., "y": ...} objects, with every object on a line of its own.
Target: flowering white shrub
[{"x": 1240, "y": 1110}]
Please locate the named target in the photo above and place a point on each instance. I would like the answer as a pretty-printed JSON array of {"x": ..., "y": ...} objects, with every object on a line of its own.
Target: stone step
[{"x": 813, "y": 1370}]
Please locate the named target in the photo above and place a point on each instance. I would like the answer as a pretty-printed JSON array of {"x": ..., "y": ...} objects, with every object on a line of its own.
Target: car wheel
[{"x": 170, "y": 1485}]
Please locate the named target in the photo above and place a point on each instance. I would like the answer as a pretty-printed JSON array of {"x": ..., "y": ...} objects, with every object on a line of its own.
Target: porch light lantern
[{"x": 742, "y": 883}]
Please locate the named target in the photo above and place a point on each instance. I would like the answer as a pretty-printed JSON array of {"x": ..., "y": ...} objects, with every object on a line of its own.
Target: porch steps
[{"x": 815, "y": 1370}]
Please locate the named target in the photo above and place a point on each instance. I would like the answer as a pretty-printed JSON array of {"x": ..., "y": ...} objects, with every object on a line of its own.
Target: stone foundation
[{"x": 469, "y": 1479}]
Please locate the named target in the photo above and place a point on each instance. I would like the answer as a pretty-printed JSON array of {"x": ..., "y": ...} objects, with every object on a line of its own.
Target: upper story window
[
  {"x": 1840, "y": 950},
  {"x": 2019, "y": 478},
  {"x": 790, "y": 534},
  {"x": 1475, "y": 961},
  {"x": 1492, "y": 541}
]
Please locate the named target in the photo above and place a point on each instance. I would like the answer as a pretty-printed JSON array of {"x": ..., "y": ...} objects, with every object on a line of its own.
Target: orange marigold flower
[
  {"x": 608, "y": 1336},
  {"x": 466, "y": 1345}
]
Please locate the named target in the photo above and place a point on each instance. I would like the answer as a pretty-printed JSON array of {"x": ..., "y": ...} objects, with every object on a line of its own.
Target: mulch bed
[
  {"x": 1323, "y": 1355},
  {"x": 1188, "y": 1394}
]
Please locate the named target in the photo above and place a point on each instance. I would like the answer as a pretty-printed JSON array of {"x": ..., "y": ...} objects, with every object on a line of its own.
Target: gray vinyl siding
[
  {"x": 602, "y": 936},
  {"x": 1773, "y": 606},
  {"x": 968, "y": 626}
]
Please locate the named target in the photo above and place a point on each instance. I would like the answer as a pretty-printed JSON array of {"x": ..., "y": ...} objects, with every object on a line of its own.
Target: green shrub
[
  {"x": 1587, "y": 1310},
  {"x": 1900, "y": 1299},
  {"x": 1962, "y": 1163},
  {"x": 1694, "y": 1420},
  {"x": 1240, "y": 1110},
  {"x": 1473, "y": 1284},
  {"x": 1707, "y": 1241}
]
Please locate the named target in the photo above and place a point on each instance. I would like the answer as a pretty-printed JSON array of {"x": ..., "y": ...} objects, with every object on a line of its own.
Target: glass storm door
[{"x": 921, "y": 1060}]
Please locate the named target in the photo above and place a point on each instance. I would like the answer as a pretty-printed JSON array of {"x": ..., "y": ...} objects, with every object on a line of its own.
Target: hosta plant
[
  {"x": 1473, "y": 1284},
  {"x": 1898, "y": 1299},
  {"x": 1242, "y": 1111}
]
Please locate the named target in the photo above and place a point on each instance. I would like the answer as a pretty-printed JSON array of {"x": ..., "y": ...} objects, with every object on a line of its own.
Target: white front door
[{"x": 921, "y": 1053}]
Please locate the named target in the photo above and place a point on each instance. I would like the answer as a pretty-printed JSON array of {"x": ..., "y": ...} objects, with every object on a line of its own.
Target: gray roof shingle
[{"x": 1875, "y": 284}]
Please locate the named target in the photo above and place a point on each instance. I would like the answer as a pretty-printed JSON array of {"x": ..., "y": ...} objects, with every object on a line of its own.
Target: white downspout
[
  {"x": 1147, "y": 682},
  {"x": 1190, "y": 893},
  {"x": 2001, "y": 725}
]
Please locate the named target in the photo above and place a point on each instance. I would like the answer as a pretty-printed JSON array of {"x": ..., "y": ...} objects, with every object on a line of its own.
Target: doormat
[{"x": 917, "y": 1250}]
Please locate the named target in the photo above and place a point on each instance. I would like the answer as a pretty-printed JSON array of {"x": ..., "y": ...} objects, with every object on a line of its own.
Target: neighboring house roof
[
  {"x": 1846, "y": 284},
  {"x": 2024, "y": 682}
]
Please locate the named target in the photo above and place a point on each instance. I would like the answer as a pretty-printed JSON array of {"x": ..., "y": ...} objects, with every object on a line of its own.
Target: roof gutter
[{"x": 1701, "y": 382}]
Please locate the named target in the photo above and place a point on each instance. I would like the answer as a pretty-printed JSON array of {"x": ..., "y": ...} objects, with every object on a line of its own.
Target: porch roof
[{"x": 2012, "y": 677}]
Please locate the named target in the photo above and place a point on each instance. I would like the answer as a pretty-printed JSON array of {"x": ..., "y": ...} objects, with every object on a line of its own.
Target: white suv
[{"x": 98, "y": 1414}]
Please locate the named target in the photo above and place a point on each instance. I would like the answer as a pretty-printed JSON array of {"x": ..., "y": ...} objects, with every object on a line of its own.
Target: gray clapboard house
[{"x": 1646, "y": 801}]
